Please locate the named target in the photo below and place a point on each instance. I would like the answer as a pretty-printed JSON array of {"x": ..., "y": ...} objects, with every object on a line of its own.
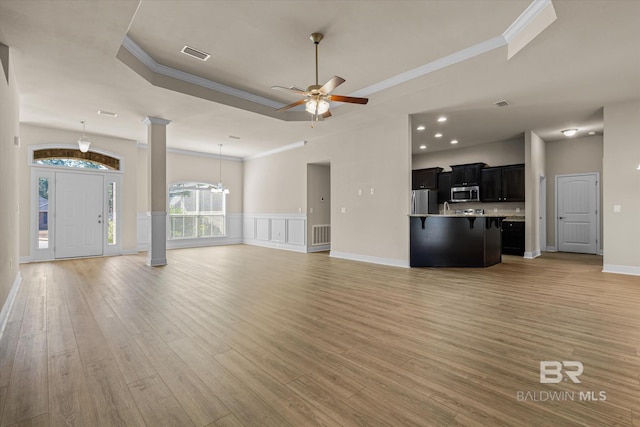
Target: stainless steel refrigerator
[{"x": 424, "y": 202}]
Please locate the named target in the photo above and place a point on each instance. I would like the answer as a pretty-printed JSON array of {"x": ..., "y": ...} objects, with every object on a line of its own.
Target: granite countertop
[{"x": 515, "y": 218}]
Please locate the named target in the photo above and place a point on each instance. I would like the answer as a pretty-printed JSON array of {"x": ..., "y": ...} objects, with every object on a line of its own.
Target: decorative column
[{"x": 157, "y": 190}]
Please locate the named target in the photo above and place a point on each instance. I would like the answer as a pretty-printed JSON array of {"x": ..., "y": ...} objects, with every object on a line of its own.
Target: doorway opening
[{"x": 318, "y": 207}]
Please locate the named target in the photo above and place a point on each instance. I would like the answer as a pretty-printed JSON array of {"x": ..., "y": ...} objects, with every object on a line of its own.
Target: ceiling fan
[{"x": 317, "y": 97}]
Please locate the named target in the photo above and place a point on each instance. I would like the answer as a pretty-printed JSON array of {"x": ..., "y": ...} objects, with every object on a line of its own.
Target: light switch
[
  {"x": 617, "y": 208},
  {"x": 372, "y": 191},
  {"x": 517, "y": 210},
  {"x": 359, "y": 191},
  {"x": 310, "y": 210},
  {"x": 343, "y": 210}
]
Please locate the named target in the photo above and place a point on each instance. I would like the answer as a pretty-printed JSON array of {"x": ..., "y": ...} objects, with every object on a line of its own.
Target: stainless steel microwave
[{"x": 465, "y": 194}]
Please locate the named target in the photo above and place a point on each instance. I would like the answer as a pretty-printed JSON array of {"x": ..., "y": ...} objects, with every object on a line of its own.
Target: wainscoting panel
[
  {"x": 281, "y": 231},
  {"x": 296, "y": 231},
  {"x": 263, "y": 229}
]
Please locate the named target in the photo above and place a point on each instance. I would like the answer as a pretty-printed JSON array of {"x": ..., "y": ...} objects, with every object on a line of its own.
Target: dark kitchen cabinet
[
  {"x": 513, "y": 237},
  {"x": 466, "y": 175},
  {"x": 425, "y": 178},
  {"x": 502, "y": 184},
  {"x": 444, "y": 187}
]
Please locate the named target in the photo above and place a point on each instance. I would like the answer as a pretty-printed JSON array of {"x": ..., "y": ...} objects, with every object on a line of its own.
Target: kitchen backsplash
[{"x": 507, "y": 209}]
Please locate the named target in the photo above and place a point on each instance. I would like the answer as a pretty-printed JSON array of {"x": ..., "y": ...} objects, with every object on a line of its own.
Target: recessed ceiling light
[
  {"x": 438, "y": 135},
  {"x": 107, "y": 113},
  {"x": 569, "y": 132},
  {"x": 423, "y": 147},
  {"x": 421, "y": 127},
  {"x": 442, "y": 119},
  {"x": 454, "y": 141},
  {"x": 593, "y": 132}
]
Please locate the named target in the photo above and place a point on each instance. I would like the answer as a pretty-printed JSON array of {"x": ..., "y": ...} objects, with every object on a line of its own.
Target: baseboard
[
  {"x": 531, "y": 255},
  {"x": 199, "y": 243},
  {"x": 130, "y": 252},
  {"x": 551, "y": 249},
  {"x": 8, "y": 304},
  {"x": 26, "y": 259},
  {"x": 319, "y": 248},
  {"x": 621, "y": 269},
  {"x": 275, "y": 245},
  {"x": 371, "y": 259}
]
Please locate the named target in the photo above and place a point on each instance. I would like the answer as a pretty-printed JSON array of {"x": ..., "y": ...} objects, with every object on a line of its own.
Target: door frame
[
  {"x": 542, "y": 213},
  {"x": 597, "y": 190},
  {"x": 49, "y": 172}
]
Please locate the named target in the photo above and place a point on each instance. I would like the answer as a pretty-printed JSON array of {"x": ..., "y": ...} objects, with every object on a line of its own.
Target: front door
[
  {"x": 577, "y": 206},
  {"x": 79, "y": 215}
]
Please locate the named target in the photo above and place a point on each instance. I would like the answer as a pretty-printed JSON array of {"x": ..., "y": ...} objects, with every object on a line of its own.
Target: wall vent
[
  {"x": 320, "y": 235},
  {"x": 502, "y": 103},
  {"x": 195, "y": 53}
]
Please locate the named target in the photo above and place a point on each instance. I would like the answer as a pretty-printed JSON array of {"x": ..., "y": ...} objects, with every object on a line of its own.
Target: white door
[
  {"x": 577, "y": 206},
  {"x": 79, "y": 215}
]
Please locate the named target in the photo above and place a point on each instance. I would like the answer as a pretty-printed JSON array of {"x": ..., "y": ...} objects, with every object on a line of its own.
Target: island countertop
[{"x": 458, "y": 215}]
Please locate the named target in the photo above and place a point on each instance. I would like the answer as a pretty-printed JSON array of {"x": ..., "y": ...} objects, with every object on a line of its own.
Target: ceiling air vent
[
  {"x": 195, "y": 53},
  {"x": 502, "y": 103}
]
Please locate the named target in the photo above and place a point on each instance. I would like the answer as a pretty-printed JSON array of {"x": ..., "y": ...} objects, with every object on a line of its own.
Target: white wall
[
  {"x": 125, "y": 149},
  {"x": 621, "y": 186},
  {"x": 373, "y": 227},
  {"x": 9, "y": 205},
  {"x": 570, "y": 156}
]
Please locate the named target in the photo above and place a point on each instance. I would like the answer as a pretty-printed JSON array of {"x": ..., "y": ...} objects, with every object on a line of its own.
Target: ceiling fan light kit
[{"x": 317, "y": 97}]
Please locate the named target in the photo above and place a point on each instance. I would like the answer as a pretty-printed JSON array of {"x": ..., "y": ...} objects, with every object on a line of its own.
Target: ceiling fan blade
[
  {"x": 295, "y": 104},
  {"x": 349, "y": 99},
  {"x": 292, "y": 89},
  {"x": 333, "y": 83},
  {"x": 326, "y": 115}
]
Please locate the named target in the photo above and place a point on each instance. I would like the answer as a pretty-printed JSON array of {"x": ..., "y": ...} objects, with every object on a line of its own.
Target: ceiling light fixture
[
  {"x": 569, "y": 132},
  {"x": 442, "y": 119},
  {"x": 454, "y": 141},
  {"x": 423, "y": 147},
  {"x": 219, "y": 188},
  {"x": 437, "y": 135},
  {"x": 83, "y": 142},
  {"x": 421, "y": 128}
]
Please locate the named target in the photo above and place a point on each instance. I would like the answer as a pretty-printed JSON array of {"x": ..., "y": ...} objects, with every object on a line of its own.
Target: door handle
[{"x": 99, "y": 219}]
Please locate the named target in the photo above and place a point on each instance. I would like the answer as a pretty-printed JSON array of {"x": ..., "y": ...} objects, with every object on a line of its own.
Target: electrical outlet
[
  {"x": 372, "y": 191},
  {"x": 359, "y": 191},
  {"x": 517, "y": 210},
  {"x": 310, "y": 210},
  {"x": 495, "y": 210},
  {"x": 617, "y": 208}
]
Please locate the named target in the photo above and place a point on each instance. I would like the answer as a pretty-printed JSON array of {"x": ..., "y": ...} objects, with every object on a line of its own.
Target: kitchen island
[{"x": 455, "y": 240}]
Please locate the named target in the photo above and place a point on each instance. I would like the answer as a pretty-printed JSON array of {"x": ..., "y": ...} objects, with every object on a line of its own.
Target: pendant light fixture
[
  {"x": 219, "y": 188},
  {"x": 83, "y": 142}
]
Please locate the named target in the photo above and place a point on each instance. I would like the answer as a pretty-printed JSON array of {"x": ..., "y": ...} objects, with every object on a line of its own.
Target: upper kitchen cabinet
[
  {"x": 502, "y": 184},
  {"x": 444, "y": 187},
  {"x": 425, "y": 178},
  {"x": 465, "y": 175}
]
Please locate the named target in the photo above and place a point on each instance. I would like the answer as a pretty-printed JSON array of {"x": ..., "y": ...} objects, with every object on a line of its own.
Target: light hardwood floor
[{"x": 248, "y": 336}]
